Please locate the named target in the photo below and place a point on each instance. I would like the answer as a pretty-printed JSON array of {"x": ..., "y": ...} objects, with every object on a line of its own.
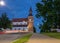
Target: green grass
[
  {"x": 54, "y": 35},
  {"x": 23, "y": 39}
]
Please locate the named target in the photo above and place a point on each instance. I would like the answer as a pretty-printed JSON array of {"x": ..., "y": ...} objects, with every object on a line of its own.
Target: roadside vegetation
[
  {"x": 49, "y": 11},
  {"x": 5, "y": 22},
  {"x": 23, "y": 39}
]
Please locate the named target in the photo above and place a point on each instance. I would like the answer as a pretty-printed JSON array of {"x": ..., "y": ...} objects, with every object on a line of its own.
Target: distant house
[
  {"x": 57, "y": 30},
  {"x": 24, "y": 24}
]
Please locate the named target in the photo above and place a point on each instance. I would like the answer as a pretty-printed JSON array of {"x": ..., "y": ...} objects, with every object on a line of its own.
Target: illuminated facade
[{"x": 24, "y": 24}]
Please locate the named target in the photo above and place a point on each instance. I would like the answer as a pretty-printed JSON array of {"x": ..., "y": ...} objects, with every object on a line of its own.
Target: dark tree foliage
[
  {"x": 34, "y": 29},
  {"x": 4, "y": 21},
  {"x": 50, "y": 11}
]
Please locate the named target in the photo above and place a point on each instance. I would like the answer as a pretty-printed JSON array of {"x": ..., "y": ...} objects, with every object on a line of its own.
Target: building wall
[
  {"x": 30, "y": 23},
  {"x": 19, "y": 23},
  {"x": 20, "y": 28}
]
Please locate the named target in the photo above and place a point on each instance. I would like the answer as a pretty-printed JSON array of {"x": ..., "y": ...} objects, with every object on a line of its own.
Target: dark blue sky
[{"x": 20, "y": 9}]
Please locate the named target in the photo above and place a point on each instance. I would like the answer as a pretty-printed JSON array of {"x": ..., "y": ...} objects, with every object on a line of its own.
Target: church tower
[{"x": 30, "y": 21}]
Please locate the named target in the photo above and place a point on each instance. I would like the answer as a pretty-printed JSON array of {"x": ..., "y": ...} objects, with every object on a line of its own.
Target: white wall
[
  {"x": 20, "y": 28},
  {"x": 58, "y": 30},
  {"x": 19, "y": 23}
]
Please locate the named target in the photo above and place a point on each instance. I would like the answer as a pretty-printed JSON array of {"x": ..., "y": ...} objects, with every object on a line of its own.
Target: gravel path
[{"x": 39, "y": 38}]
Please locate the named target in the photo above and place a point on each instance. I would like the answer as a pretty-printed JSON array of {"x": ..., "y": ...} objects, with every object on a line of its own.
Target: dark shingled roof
[{"x": 19, "y": 19}]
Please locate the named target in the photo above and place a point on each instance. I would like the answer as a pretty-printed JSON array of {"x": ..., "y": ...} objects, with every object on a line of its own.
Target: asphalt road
[{"x": 8, "y": 38}]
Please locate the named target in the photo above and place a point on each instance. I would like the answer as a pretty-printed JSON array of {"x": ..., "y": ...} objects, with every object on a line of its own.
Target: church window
[{"x": 30, "y": 20}]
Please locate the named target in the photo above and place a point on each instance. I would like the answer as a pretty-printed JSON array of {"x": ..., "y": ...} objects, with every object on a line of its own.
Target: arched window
[{"x": 30, "y": 20}]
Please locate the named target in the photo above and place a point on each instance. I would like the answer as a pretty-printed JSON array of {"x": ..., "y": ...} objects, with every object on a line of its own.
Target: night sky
[{"x": 20, "y": 9}]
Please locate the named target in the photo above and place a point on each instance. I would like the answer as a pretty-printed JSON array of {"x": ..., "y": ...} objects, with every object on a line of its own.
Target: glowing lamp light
[{"x": 2, "y": 3}]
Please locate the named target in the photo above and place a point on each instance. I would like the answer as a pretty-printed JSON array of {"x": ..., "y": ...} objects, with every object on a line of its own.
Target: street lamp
[{"x": 2, "y": 3}]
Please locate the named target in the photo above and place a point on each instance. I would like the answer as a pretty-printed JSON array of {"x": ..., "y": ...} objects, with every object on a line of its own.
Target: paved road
[
  {"x": 39, "y": 38},
  {"x": 8, "y": 38}
]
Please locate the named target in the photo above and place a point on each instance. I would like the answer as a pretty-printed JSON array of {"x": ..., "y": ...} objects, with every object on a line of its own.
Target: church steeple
[
  {"x": 30, "y": 12},
  {"x": 30, "y": 20}
]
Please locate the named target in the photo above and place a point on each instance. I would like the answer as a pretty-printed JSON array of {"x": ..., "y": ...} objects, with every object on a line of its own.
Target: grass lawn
[
  {"x": 23, "y": 39},
  {"x": 54, "y": 35}
]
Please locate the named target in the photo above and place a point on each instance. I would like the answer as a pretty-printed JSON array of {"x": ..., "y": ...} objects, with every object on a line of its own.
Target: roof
[{"x": 19, "y": 19}]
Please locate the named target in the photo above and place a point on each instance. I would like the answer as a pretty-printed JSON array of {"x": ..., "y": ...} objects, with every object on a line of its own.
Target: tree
[
  {"x": 5, "y": 22},
  {"x": 0, "y": 23},
  {"x": 34, "y": 29},
  {"x": 50, "y": 11}
]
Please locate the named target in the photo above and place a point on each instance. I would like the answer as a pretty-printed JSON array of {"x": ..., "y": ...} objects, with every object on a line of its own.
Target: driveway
[
  {"x": 8, "y": 38},
  {"x": 39, "y": 38}
]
